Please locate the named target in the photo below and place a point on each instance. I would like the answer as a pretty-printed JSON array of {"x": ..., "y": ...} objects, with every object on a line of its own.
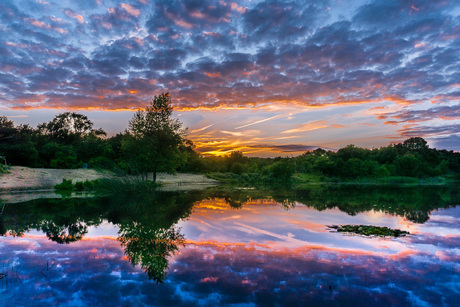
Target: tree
[
  {"x": 408, "y": 165},
  {"x": 155, "y": 139},
  {"x": 69, "y": 127},
  {"x": 7, "y": 129},
  {"x": 282, "y": 171},
  {"x": 415, "y": 143}
]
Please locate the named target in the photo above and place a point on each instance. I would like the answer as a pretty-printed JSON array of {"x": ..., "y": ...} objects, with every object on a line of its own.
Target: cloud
[
  {"x": 288, "y": 148},
  {"x": 429, "y": 131},
  {"x": 314, "y": 125},
  {"x": 237, "y": 55},
  {"x": 74, "y": 15},
  {"x": 451, "y": 142},
  {"x": 440, "y": 112}
]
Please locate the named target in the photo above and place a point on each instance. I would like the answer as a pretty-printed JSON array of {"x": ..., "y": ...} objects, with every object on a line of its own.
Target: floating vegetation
[{"x": 369, "y": 230}]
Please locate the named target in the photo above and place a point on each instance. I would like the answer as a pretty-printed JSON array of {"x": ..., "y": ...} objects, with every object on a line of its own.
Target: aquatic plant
[{"x": 369, "y": 230}]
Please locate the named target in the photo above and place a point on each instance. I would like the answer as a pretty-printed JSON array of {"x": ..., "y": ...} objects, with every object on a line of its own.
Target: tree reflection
[
  {"x": 413, "y": 203},
  {"x": 147, "y": 222},
  {"x": 3, "y": 229},
  {"x": 150, "y": 248},
  {"x": 149, "y": 235},
  {"x": 64, "y": 233}
]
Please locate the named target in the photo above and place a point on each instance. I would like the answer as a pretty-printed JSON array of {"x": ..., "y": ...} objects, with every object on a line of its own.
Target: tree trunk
[{"x": 154, "y": 176}]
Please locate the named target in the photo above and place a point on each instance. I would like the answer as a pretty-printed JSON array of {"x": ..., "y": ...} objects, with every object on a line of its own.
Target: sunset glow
[{"x": 267, "y": 78}]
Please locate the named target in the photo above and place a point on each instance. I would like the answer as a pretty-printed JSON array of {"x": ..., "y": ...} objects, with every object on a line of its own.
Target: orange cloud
[
  {"x": 213, "y": 75},
  {"x": 74, "y": 15},
  {"x": 180, "y": 22},
  {"x": 308, "y": 127},
  {"x": 131, "y": 10},
  {"x": 41, "y": 24}
]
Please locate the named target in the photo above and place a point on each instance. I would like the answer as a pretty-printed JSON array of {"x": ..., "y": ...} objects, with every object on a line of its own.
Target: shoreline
[{"x": 25, "y": 183}]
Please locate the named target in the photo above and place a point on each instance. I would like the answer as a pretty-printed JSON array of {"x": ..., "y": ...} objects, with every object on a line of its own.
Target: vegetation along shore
[{"x": 156, "y": 143}]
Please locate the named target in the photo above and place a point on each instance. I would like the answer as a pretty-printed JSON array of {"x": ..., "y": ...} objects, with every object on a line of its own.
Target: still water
[{"x": 240, "y": 247}]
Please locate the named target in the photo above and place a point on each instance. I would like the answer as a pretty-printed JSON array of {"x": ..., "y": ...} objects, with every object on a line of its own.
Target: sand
[{"x": 25, "y": 183}]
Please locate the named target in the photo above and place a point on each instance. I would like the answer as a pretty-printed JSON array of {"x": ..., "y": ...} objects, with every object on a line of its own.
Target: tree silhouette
[{"x": 155, "y": 139}]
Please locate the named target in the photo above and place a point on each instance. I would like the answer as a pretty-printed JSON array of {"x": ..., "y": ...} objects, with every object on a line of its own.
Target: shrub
[
  {"x": 79, "y": 186},
  {"x": 102, "y": 163},
  {"x": 66, "y": 185}
]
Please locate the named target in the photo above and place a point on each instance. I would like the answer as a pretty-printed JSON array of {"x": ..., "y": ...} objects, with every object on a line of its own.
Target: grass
[
  {"x": 67, "y": 186},
  {"x": 125, "y": 185}
]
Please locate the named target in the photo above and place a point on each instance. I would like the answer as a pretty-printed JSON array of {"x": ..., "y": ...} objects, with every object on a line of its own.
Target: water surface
[{"x": 242, "y": 247}]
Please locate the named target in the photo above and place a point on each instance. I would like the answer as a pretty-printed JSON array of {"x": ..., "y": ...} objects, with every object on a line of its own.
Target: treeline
[
  {"x": 412, "y": 158},
  {"x": 154, "y": 142},
  {"x": 70, "y": 141}
]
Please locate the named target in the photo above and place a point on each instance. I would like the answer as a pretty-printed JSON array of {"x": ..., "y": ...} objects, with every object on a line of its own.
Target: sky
[{"x": 269, "y": 77}]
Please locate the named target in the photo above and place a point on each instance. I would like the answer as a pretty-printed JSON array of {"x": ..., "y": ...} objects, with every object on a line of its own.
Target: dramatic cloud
[{"x": 214, "y": 55}]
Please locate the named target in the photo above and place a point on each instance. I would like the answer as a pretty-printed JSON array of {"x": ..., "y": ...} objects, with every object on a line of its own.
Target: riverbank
[{"x": 20, "y": 181}]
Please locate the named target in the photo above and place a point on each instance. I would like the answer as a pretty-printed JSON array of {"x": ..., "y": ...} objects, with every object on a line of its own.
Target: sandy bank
[{"x": 25, "y": 180}]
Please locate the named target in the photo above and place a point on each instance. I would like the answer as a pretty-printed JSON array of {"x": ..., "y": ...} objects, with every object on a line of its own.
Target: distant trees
[
  {"x": 155, "y": 141},
  {"x": 69, "y": 127},
  {"x": 57, "y": 144}
]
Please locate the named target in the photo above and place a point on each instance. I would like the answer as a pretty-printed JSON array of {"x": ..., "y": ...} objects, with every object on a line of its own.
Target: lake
[{"x": 237, "y": 247}]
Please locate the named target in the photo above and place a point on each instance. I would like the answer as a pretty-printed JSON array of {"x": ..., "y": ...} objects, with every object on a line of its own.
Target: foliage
[
  {"x": 150, "y": 248},
  {"x": 3, "y": 168},
  {"x": 64, "y": 233},
  {"x": 68, "y": 127},
  {"x": 79, "y": 186},
  {"x": 415, "y": 143},
  {"x": 65, "y": 185},
  {"x": 282, "y": 171},
  {"x": 102, "y": 163},
  {"x": 155, "y": 140},
  {"x": 125, "y": 185}
]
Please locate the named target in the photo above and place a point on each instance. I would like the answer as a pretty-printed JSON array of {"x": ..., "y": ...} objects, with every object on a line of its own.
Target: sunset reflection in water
[{"x": 257, "y": 253}]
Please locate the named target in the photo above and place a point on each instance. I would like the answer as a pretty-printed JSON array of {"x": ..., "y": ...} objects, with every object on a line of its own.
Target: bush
[
  {"x": 102, "y": 163},
  {"x": 282, "y": 171},
  {"x": 66, "y": 185},
  {"x": 59, "y": 156},
  {"x": 79, "y": 186},
  {"x": 86, "y": 185},
  {"x": 4, "y": 169}
]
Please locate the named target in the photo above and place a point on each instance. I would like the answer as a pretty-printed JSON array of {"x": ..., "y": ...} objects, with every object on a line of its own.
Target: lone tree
[{"x": 155, "y": 139}]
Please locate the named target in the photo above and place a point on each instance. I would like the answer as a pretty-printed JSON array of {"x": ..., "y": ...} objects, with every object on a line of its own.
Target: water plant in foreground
[{"x": 369, "y": 230}]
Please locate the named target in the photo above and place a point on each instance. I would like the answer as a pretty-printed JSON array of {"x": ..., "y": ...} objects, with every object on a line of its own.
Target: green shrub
[
  {"x": 66, "y": 185},
  {"x": 89, "y": 185},
  {"x": 4, "y": 169},
  {"x": 79, "y": 186},
  {"x": 102, "y": 163}
]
